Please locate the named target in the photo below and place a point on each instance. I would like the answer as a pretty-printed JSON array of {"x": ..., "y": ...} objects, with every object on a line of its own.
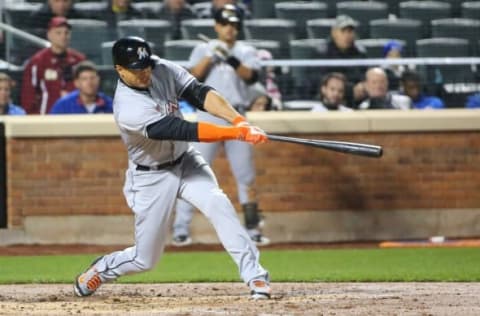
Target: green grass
[{"x": 342, "y": 265}]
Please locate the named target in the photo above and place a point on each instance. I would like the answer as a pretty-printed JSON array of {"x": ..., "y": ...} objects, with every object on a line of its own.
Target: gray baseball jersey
[
  {"x": 151, "y": 194},
  {"x": 224, "y": 79}
]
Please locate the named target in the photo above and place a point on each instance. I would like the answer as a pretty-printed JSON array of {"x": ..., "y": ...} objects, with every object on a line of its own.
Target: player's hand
[
  {"x": 218, "y": 51},
  {"x": 252, "y": 134}
]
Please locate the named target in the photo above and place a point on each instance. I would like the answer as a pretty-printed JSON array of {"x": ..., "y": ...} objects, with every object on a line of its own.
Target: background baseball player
[
  {"x": 164, "y": 167},
  {"x": 229, "y": 67}
]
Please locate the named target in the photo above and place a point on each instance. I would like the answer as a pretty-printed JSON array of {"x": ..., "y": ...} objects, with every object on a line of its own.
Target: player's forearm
[
  {"x": 247, "y": 74},
  {"x": 217, "y": 105},
  {"x": 201, "y": 69},
  {"x": 174, "y": 128}
]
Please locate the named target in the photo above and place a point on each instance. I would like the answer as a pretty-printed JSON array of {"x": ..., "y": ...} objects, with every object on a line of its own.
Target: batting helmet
[{"x": 132, "y": 52}]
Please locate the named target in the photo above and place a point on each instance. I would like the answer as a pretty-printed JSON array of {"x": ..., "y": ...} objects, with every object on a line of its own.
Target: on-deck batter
[
  {"x": 164, "y": 167},
  {"x": 229, "y": 67}
]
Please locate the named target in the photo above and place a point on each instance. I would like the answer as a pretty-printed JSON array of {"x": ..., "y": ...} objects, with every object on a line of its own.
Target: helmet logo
[{"x": 142, "y": 52}]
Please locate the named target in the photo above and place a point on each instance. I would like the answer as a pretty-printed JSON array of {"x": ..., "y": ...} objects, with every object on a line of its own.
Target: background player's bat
[
  {"x": 203, "y": 37},
  {"x": 343, "y": 147}
]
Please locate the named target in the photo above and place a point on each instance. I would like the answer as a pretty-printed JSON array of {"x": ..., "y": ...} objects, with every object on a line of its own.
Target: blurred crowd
[{"x": 60, "y": 79}]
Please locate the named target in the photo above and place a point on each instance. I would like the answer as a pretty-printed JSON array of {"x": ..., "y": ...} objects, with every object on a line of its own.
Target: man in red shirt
[{"x": 48, "y": 75}]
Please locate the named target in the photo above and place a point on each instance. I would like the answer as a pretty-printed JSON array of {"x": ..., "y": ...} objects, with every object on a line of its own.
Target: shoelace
[{"x": 94, "y": 283}]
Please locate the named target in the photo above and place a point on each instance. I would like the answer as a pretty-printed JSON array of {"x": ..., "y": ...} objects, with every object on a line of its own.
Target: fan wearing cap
[
  {"x": 48, "y": 74},
  {"x": 230, "y": 67},
  {"x": 341, "y": 45},
  {"x": 163, "y": 166}
]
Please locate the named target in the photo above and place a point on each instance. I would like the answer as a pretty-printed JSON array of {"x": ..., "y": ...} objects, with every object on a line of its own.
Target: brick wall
[{"x": 438, "y": 170}]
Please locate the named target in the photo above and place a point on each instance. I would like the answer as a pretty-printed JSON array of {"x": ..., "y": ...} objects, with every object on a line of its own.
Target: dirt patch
[
  {"x": 233, "y": 299},
  {"x": 26, "y": 250}
]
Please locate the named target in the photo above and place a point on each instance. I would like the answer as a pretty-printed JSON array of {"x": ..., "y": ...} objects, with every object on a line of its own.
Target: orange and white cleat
[
  {"x": 89, "y": 281},
  {"x": 260, "y": 289}
]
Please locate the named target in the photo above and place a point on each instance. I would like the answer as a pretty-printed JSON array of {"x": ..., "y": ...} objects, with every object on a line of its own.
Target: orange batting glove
[
  {"x": 240, "y": 121},
  {"x": 253, "y": 134}
]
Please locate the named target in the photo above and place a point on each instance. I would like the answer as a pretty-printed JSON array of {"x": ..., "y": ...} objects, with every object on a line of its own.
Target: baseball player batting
[
  {"x": 162, "y": 166},
  {"x": 230, "y": 67}
]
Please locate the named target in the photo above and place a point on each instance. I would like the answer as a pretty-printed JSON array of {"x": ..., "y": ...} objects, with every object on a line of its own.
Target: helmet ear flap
[{"x": 153, "y": 61}]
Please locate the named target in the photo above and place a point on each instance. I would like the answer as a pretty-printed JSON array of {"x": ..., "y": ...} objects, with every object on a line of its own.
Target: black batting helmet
[{"x": 132, "y": 52}]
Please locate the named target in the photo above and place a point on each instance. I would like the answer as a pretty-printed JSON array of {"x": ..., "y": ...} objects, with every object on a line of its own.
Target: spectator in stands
[
  {"x": 411, "y": 86},
  {"x": 176, "y": 11},
  {"x": 376, "y": 86},
  {"x": 473, "y": 101},
  {"x": 6, "y": 105},
  {"x": 265, "y": 92},
  {"x": 48, "y": 74},
  {"x": 119, "y": 10},
  {"x": 332, "y": 93},
  {"x": 86, "y": 99},
  {"x": 209, "y": 12},
  {"x": 393, "y": 50},
  {"x": 341, "y": 45},
  {"x": 39, "y": 19}
]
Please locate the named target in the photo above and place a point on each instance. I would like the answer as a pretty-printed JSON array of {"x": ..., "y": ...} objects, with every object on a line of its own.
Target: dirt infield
[
  {"x": 27, "y": 250},
  {"x": 233, "y": 299}
]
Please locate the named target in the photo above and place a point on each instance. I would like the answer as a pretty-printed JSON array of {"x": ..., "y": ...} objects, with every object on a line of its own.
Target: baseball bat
[{"x": 339, "y": 146}]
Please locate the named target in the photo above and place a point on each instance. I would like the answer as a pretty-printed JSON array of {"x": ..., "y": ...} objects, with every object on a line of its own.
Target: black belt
[{"x": 160, "y": 166}]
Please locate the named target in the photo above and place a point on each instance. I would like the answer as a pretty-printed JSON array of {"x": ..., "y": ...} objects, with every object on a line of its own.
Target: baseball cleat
[
  {"x": 260, "y": 240},
  {"x": 182, "y": 241},
  {"x": 260, "y": 290},
  {"x": 89, "y": 281}
]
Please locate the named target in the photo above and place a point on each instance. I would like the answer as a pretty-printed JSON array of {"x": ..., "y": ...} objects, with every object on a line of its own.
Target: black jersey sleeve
[
  {"x": 195, "y": 94},
  {"x": 173, "y": 128}
]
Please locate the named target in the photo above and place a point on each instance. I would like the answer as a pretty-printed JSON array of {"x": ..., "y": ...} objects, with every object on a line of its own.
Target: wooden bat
[{"x": 343, "y": 147}]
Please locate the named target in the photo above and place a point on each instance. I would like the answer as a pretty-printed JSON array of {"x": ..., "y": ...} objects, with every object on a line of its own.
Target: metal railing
[{"x": 13, "y": 31}]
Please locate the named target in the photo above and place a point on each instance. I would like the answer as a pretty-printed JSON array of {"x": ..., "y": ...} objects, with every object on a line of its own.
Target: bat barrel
[{"x": 339, "y": 146}]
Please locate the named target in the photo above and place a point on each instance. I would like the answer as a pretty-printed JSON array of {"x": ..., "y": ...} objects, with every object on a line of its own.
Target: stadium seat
[
  {"x": 201, "y": 6},
  {"x": 300, "y": 12},
  {"x": 155, "y": 31},
  {"x": 363, "y": 12},
  {"x": 374, "y": 46},
  {"x": 18, "y": 15},
  {"x": 88, "y": 36},
  {"x": 407, "y": 30},
  {"x": 107, "y": 53},
  {"x": 425, "y": 11},
  {"x": 319, "y": 28},
  {"x": 262, "y": 9},
  {"x": 108, "y": 80},
  {"x": 445, "y": 47},
  {"x": 180, "y": 49},
  {"x": 332, "y": 7},
  {"x": 299, "y": 105},
  {"x": 471, "y": 10},
  {"x": 149, "y": 9},
  {"x": 192, "y": 27},
  {"x": 91, "y": 9},
  {"x": 272, "y": 46},
  {"x": 456, "y": 6},
  {"x": 305, "y": 49},
  {"x": 392, "y": 6},
  {"x": 459, "y": 28},
  {"x": 279, "y": 30}
]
